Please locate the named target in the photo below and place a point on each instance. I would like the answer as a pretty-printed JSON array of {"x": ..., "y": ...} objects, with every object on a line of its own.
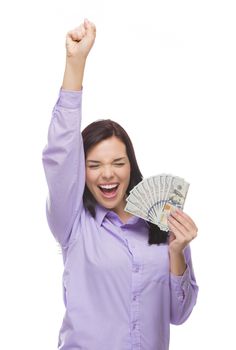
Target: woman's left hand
[{"x": 182, "y": 231}]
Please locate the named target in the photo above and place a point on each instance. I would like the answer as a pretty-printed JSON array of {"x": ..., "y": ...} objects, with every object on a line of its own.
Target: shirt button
[
  {"x": 134, "y": 297},
  {"x": 136, "y": 269},
  {"x": 134, "y": 326}
]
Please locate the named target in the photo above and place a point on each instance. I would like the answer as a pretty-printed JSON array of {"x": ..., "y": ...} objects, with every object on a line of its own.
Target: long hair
[{"x": 101, "y": 130}]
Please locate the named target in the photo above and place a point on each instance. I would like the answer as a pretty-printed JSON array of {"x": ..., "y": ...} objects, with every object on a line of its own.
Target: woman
[{"x": 125, "y": 281}]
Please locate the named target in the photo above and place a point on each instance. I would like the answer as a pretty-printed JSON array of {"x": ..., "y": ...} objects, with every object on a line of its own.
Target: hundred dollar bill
[
  {"x": 168, "y": 182},
  {"x": 157, "y": 186},
  {"x": 162, "y": 223},
  {"x": 136, "y": 202},
  {"x": 137, "y": 199},
  {"x": 131, "y": 208},
  {"x": 176, "y": 198},
  {"x": 178, "y": 192},
  {"x": 140, "y": 192},
  {"x": 162, "y": 189},
  {"x": 148, "y": 198},
  {"x": 154, "y": 198}
]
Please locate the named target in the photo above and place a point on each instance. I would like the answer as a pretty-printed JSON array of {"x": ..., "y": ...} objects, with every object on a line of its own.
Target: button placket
[
  {"x": 135, "y": 287},
  {"x": 135, "y": 303}
]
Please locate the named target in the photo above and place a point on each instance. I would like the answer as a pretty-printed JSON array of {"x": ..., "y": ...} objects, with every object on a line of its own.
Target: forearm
[
  {"x": 183, "y": 287},
  {"x": 73, "y": 75},
  {"x": 177, "y": 263}
]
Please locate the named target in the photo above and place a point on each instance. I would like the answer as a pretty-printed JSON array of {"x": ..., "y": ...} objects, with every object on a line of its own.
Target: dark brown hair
[{"x": 101, "y": 130}]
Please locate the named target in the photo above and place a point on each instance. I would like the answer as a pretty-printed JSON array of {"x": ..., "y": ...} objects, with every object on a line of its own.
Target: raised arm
[{"x": 63, "y": 156}]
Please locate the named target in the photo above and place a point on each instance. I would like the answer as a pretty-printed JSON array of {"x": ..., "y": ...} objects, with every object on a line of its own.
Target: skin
[
  {"x": 79, "y": 42},
  {"x": 183, "y": 230},
  {"x": 109, "y": 170}
]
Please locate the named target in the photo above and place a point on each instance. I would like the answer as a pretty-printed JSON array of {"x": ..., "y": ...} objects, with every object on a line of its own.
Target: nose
[{"x": 107, "y": 172}]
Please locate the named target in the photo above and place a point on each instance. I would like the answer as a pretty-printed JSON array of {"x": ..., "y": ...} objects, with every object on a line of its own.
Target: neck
[{"x": 123, "y": 215}]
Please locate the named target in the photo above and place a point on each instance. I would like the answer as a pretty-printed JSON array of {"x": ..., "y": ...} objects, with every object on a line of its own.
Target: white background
[{"x": 165, "y": 70}]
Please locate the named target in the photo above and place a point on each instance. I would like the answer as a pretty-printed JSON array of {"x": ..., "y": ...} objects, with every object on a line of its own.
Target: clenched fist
[{"x": 80, "y": 40}]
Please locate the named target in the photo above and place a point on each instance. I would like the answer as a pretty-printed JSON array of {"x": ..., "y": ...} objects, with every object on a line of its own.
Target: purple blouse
[{"x": 118, "y": 291}]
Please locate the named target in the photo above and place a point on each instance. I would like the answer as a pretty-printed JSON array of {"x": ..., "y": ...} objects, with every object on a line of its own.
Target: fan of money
[{"x": 154, "y": 197}]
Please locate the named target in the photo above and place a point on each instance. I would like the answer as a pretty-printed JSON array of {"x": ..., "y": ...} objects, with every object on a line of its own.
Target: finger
[
  {"x": 188, "y": 230},
  {"x": 183, "y": 219},
  {"x": 177, "y": 236},
  {"x": 171, "y": 236},
  {"x": 187, "y": 217},
  {"x": 180, "y": 237},
  {"x": 74, "y": 36},
  {"x": 77, "y": 33},
  {"x": 174, "y": 224}
]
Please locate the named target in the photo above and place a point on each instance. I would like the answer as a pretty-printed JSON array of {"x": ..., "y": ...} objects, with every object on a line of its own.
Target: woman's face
[{"x": 108, "y": 166}]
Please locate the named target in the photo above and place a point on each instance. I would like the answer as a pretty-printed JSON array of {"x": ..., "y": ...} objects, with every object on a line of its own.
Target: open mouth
[{"x": 109, "y": 191}]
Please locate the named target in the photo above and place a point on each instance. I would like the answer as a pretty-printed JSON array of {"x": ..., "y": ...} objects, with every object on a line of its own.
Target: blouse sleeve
[
  {"x": 184, "y": 291},
  {"x": 64, "y": 165}
]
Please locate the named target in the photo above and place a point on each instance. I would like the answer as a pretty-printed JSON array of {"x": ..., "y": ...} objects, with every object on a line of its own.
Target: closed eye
[{"x": 95, "y": 166}]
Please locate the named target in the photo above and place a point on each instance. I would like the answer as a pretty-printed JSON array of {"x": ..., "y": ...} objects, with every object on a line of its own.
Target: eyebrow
[{"x": 97, "y": 161}]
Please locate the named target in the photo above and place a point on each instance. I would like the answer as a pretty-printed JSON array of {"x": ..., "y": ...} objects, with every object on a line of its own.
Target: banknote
[
  {"x": 175, "y": 198},
  {"x": 157, "y": 184},
  {"x": 153, "y": 195},
  {"x": 153, "y": 198},
  {"x": 138, "y": 203},
  {"x": 178, "y": 192},
  {"x": 131, "y": 208},
  {"x": 140, "y": 193}
]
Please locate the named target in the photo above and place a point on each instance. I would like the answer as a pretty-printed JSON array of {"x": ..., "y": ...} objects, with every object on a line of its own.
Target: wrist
[
  {"x": 175, "y": 251},
  {"x": 73, "y": 75},
  {"x": 75, "y": 61}
]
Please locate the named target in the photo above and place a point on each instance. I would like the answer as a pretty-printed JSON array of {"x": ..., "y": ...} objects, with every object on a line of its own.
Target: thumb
[{"x": 171, "y": 237}]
